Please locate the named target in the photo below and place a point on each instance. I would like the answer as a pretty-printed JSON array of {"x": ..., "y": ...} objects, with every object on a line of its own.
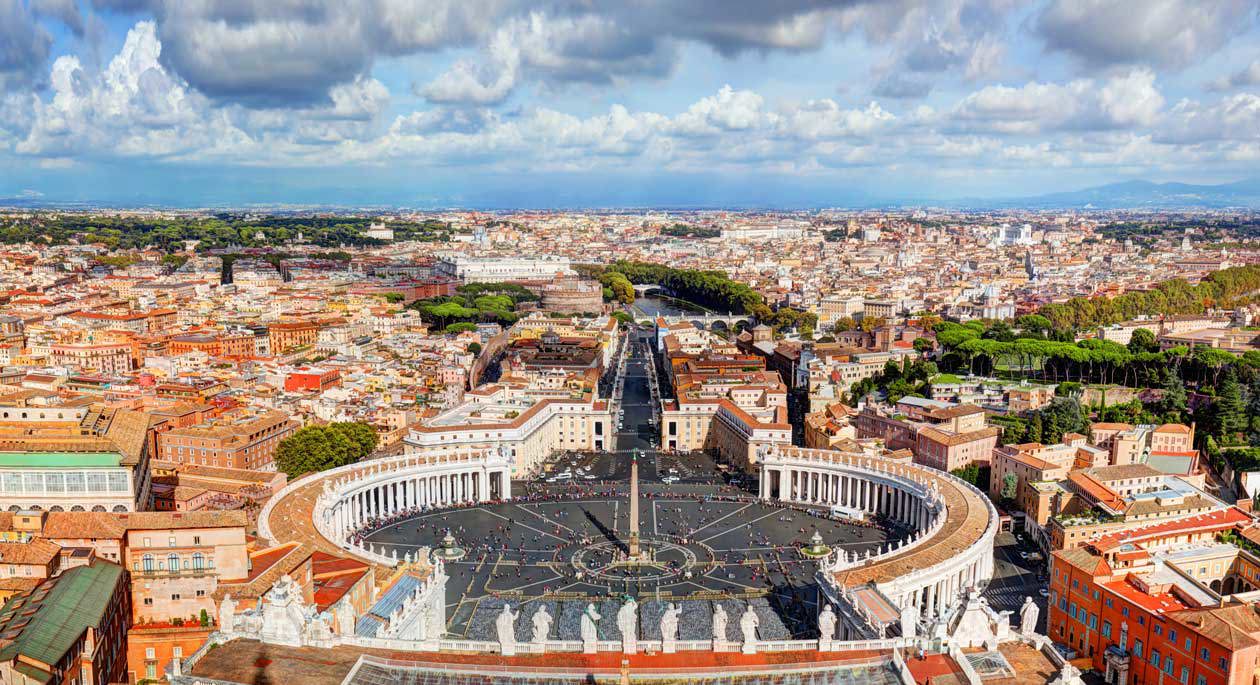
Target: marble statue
[
  {"x": 719, "y": 624},
  {"x": 345, "y": 620},
  {"x": 284, "y": 614},
  {"x": 542, "y": 625},
  {"x": 227, "y": 614},
  {"x": 669, "y": 628},
  {"x": 628, "y": 624},
  {"x": 826, "y": 626},
  {"x": 505, "y": 627},
  {"x": 590, "y": 633},
  {"x": 1028, "y": 617},
  {"x": 910, "y": 619},
  {"x": 748, "y": 624}
]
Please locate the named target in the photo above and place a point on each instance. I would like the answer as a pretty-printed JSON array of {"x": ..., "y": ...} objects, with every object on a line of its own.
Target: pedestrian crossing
[{"x": 1006, "y": 597}]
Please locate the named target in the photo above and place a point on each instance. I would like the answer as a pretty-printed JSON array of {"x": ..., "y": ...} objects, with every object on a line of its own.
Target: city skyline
[{"x": 521, "y": 104}]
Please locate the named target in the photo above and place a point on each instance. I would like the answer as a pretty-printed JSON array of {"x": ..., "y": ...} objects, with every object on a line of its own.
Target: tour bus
[{"x": 847, "y": 513}]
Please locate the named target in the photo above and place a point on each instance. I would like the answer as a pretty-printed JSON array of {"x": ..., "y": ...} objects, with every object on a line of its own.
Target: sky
[{"x": 608, "y": 103}]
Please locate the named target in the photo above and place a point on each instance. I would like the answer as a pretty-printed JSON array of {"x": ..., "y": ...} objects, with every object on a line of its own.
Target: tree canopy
[{"x": 319, "y": 448}]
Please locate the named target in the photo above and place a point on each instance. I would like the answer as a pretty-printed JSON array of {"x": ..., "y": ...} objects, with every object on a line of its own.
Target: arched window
[
  {"x": 148, "y": 562},
  {"x": 172, "y": 562},
  {"x": 198, "y": 561}
]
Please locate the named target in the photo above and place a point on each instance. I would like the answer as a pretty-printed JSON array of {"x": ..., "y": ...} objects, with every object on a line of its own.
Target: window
[
  {"x": 1124, "y": 611},
  {"x": 198, "y": 561},
  {"x": 150, "y": 653},
  {"x": 172, "y": 562},
  {"x": 1205, "y": 654},
  {"x": 1106, "y": 629},
  {"x": 1223, "y": 663},
  {"x": 148, "y": 563},
  {"x": 1168, "y": 665},
  {"x": 1155, "y": 658},
  {"x": 1172, "y": 634},
  {"x": 148, "y": 601},
  {"x": 1137, "y": 648},
  {"x": 177, "y": 652},
  {"x": 175, "y": 598}
]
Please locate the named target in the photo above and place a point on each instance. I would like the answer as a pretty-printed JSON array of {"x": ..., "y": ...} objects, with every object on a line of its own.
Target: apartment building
[
  {"x": 942, "y": 435},
  {"x": 242, "y": 439},
  {"x": 178, "y": 560},
  {"x": 69, "y": 630},
  {"x": 1169, "y": 606}
]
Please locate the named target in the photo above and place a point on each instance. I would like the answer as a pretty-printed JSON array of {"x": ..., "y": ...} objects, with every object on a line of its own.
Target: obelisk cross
[{"x": 634, "y": 506}]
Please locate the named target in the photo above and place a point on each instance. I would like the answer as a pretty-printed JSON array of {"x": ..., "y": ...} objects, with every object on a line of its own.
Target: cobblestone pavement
[{"x": 523, "y": 552}]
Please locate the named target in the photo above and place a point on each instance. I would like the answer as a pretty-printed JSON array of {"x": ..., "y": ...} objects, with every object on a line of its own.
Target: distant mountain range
[
  {"x": 1142, "y": 195},
  {"x": 1137, "y": 195}
]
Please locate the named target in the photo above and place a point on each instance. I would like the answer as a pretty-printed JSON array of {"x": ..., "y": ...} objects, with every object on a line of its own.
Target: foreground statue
[
  {"x": 590, "y": 631},
  {"x": 748, "y": 624},
  {"x": 542, "y": 625}
]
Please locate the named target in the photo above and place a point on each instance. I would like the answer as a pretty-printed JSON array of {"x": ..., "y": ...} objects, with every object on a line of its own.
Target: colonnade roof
[{"x": 967, "y": 517}]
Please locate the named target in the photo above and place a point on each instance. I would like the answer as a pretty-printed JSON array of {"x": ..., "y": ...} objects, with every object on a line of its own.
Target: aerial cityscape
[{"x": 436, "y": 342}]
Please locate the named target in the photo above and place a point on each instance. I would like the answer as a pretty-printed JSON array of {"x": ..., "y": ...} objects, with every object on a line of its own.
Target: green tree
[
  {"x": 1230, "y": 411},
  {"x": 1174, "y": 401},
  {"x": 1143, "y": 341},
  {"x": 1009, "y": 482},
  {"x": 1035, "y": 428},
  {"x": 319, "y": 448}
]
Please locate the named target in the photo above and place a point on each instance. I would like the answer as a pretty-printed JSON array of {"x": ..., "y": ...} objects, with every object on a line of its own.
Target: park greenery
[
  {"x": 1225, "y": 386},
  {"x": 712, "y": 290},
  {"x": 474, "y": 303},
  {"x": 219, "y": 231},
  {"x": 1225, "y": 288},
  {"x": 910, "y": 378},
  {"x": 319, "y": 448},
  {"x": 686, "y": 231}
]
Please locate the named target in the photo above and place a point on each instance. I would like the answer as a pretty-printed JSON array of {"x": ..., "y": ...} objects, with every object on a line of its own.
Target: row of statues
[{"x": 627, "y": 624}]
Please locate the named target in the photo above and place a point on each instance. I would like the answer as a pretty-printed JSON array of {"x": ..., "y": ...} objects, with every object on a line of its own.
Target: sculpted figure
[
  {"x": 628, "y": 624},
  {"x": 1028, "y": 617},
  {"x": 542, "y": 625},
  {"x": 227, "y": 614},
  {"x": 748, "y": 624},
  {"x": 505, "y": 627},
  {"x": 589, "y": 625},
  {"x": 669, "y": 627},
  {"x": 827, "y": 624},
  {"x": 719, "y": 623}
]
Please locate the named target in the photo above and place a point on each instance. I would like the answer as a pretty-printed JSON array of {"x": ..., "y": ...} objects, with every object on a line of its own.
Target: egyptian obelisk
[{"x": 634, "y": 552}]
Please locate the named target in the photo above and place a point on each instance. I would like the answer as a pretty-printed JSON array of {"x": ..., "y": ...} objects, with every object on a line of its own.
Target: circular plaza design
[
  {"x": 830, "y": 553},
  {"x": 559, "y": 548}
]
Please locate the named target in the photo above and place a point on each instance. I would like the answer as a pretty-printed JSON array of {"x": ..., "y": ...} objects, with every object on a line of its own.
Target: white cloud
[
  {"x": 1129, "y": 99},
  {"x": 1233, "y": 118}
]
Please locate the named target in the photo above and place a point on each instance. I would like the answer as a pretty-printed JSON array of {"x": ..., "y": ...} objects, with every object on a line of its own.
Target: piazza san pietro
[{"x": 639, "y": 342}]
